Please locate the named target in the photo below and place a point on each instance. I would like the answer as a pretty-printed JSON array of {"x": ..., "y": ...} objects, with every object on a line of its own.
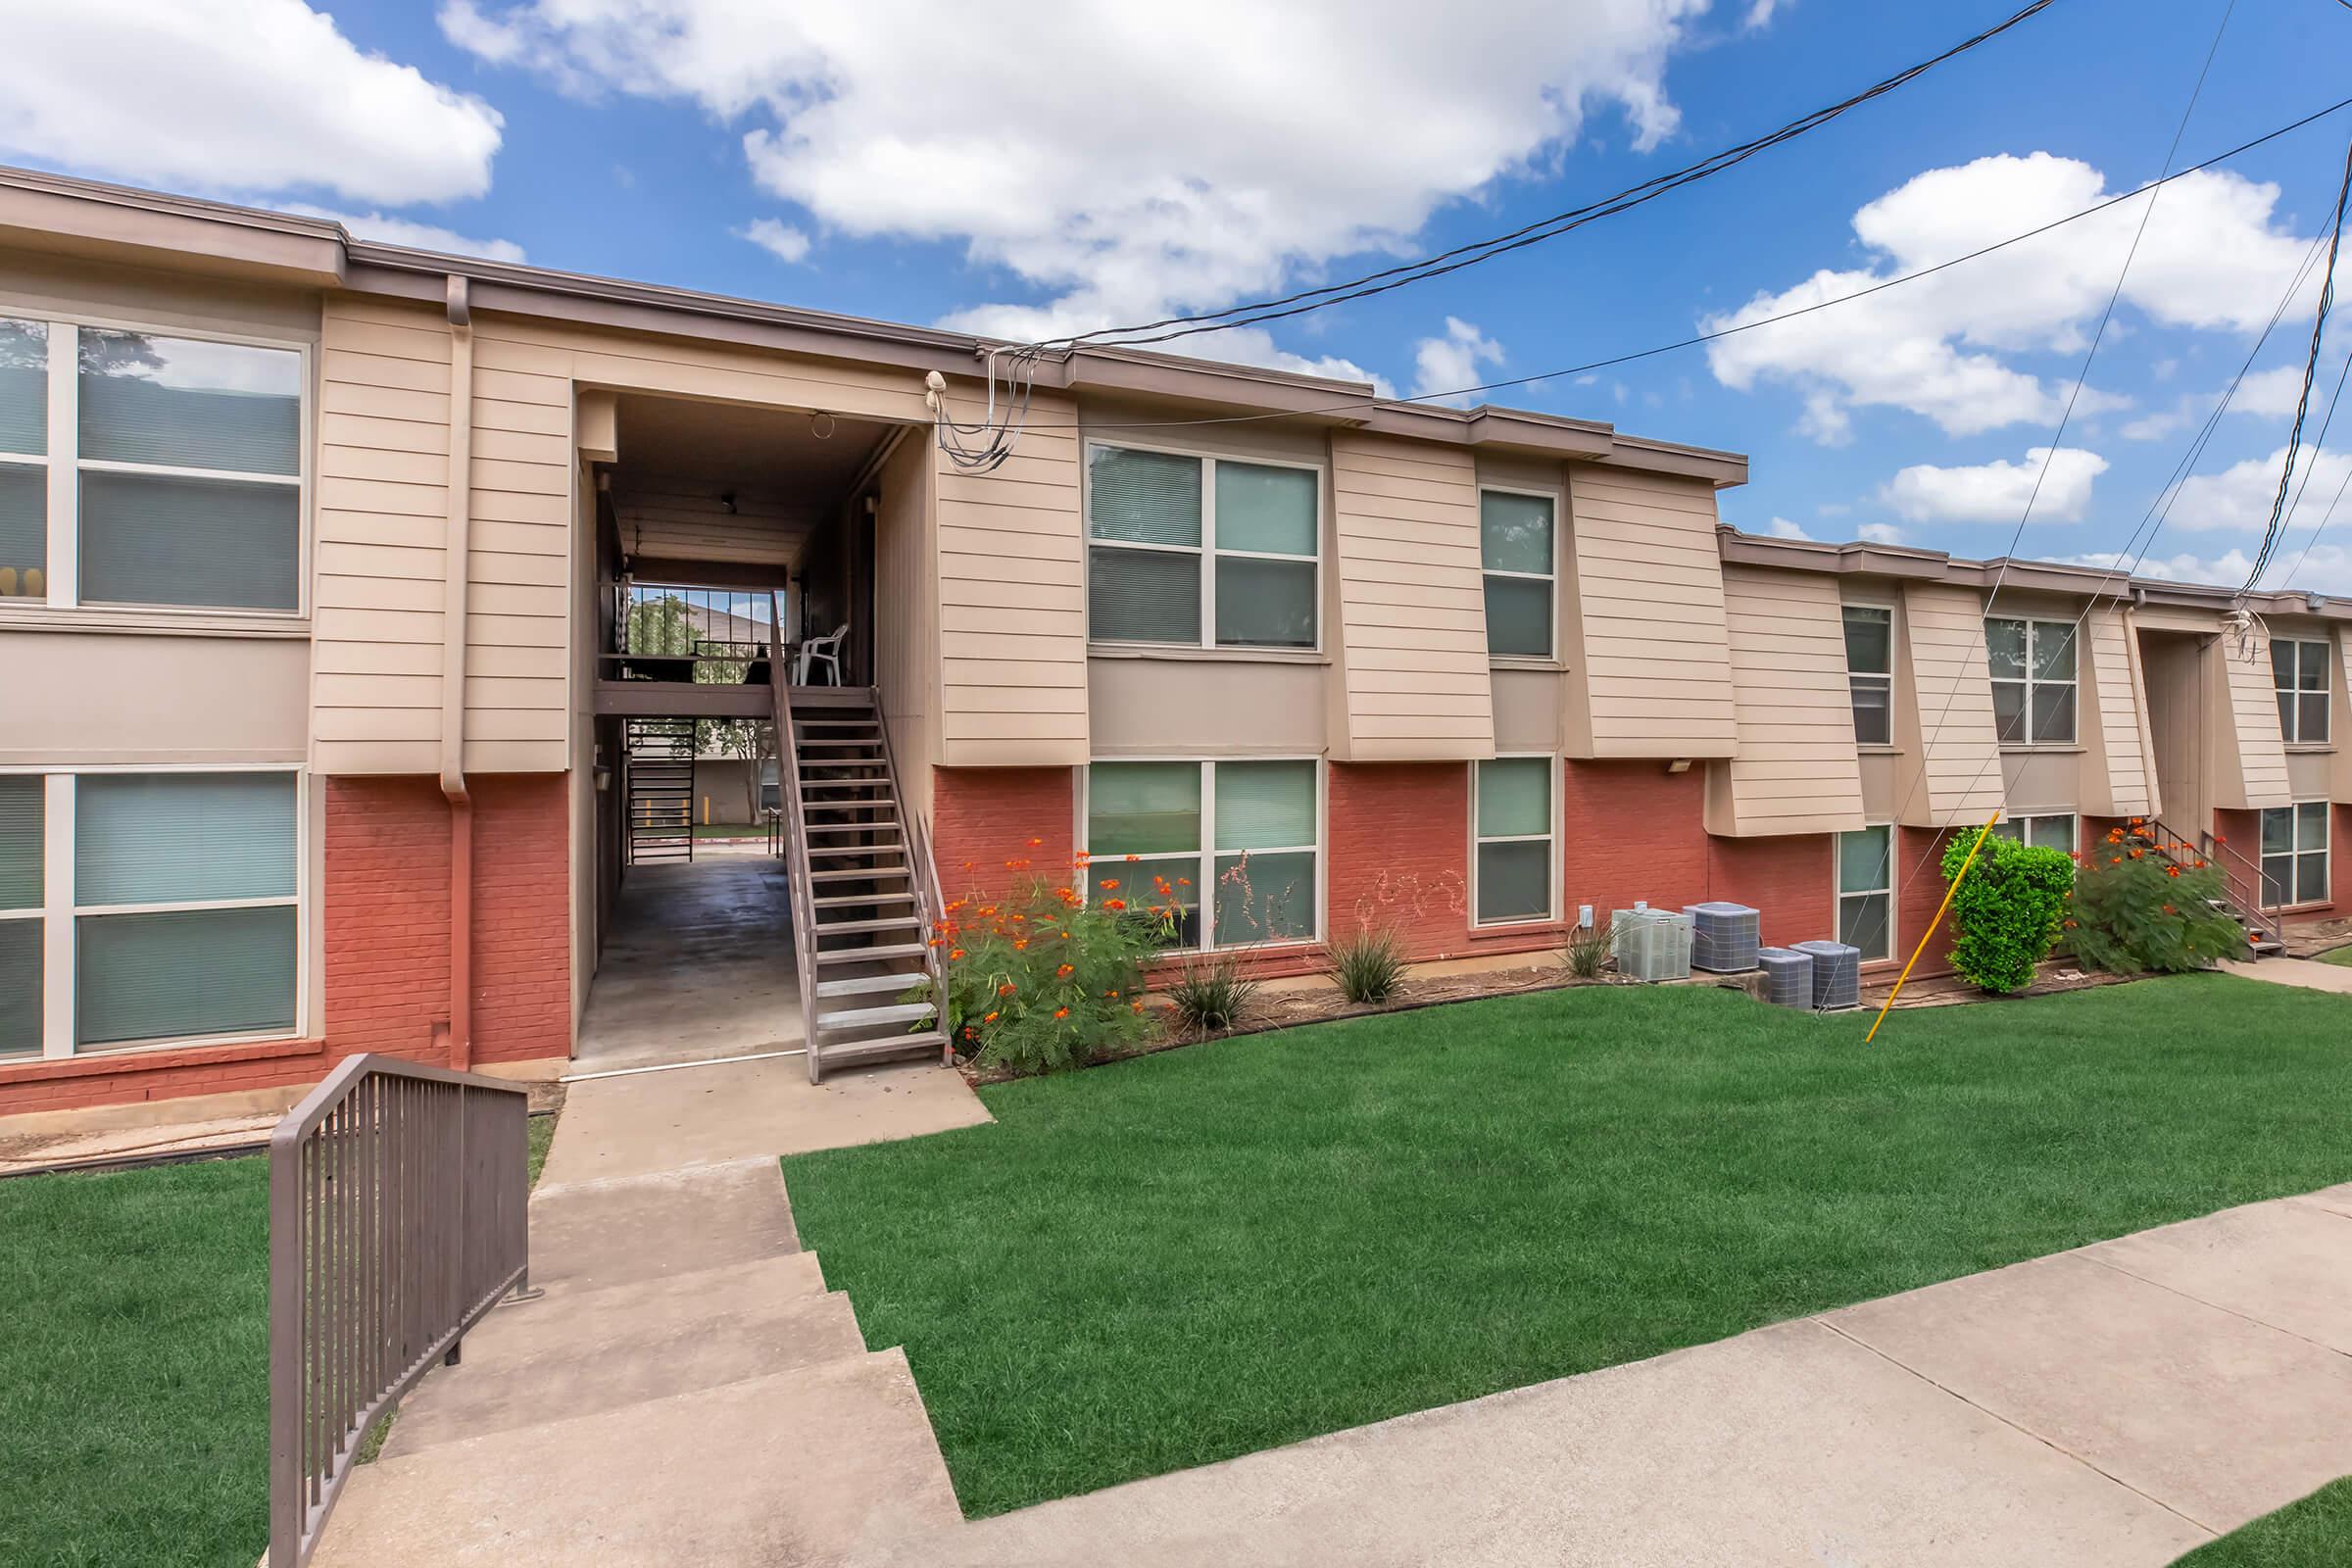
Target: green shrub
[
  {"x": 1042, "y": 979},
  {"x": 2142, "y": 905},
  {"x": 2009, "y": 910},
  {"x": 1211, "y": 994},
  {"x": 1368, "y": 965},
  {"x": 1588, "y": 951}
]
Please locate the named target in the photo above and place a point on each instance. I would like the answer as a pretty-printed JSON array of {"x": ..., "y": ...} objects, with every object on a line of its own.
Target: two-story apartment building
[{"x": 320, "y": 711}]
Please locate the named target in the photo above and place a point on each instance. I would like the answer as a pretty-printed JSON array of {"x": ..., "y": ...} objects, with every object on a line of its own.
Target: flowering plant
[
  {"x": 2143, "y": 903},
  {"x": 1044, "y": 978}
]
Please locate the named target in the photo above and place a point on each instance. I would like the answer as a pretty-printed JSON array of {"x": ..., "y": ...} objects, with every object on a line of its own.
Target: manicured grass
[
  {"x": 541, "y": 1132},
  {"x": 134, "y": 1389},
  {"x": 2343, "y": 956},
  {"x": 2313, "y": 1532},
  {"x": 1217, "y": 1249}
]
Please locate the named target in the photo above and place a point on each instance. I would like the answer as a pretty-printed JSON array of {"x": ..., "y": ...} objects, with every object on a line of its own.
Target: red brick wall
[
  {"x": 385, "y": 978},
  {"x": 984, "y": 817},
  {"x": 1399, "y": 836},
  {"x": 2339, "y": 857}
]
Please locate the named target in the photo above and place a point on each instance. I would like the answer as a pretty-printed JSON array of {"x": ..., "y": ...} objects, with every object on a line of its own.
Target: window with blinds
[
  {"x": 1200, "y": 551},
  {"x": 1511, "y": 872},
  {"x": 21, "y": 827},
  {"x": 1246, "y": 831},
  {"x": 1518, "y": 549}
]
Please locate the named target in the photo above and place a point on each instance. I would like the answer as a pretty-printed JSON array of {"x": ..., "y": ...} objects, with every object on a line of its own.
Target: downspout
[{"x": 452, "y": 677}]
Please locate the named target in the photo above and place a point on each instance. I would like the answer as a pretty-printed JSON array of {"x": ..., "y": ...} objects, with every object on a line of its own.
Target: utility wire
[
  {"x": 2276, "y": 525},
  {"x": 2317, "y": 447},
  {"x": 1399, "y": 275}
]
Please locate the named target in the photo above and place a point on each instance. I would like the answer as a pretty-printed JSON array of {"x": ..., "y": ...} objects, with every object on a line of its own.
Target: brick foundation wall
[
  {"x": 984, "y": 817},
  {"x": 384, "y": 980}
]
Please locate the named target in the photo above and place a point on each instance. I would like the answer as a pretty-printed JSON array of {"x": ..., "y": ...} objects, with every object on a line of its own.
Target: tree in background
[{"x": 2009, "y": 911}]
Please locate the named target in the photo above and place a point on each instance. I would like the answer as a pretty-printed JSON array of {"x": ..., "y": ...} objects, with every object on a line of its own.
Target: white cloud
[
  {"x": 1783, "y": 528},
  {"x": 1759, "y": 14},
  {"x": 1039, "y": 137},
  {"x": 407, "y": 231},
  {"x": 2157, "y": 426},
  {"x": 1880, "y": 533},
  {"x": 776, "y": 237},
  {"x": 1997, "y": 491},
  {"x": 2241, "y": 495},
  {"x": 2212, "y": 258},
  {"x": 2271, "y": 393},
  {"x": 2327, "y": 569},
  {"x": 1448, "y": 364},
  {"x": 235, "y": 95}
]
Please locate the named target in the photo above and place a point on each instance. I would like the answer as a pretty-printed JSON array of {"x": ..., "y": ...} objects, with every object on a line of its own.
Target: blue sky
[{"x": 1075, "y": 166}]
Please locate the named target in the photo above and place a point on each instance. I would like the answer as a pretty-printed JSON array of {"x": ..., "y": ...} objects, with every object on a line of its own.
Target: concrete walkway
[
  {"x": 2308, "y": 973},
  {"x": 2112, "y": 1406}
]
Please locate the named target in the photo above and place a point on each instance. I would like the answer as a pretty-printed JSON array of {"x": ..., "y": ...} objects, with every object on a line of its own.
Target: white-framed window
[
  {"x": 1202, "y": 551},
  {"x": 1248, "y": 830},
  {"x": 2299, "y": 673},
  {"x": 2033, "y": 665},
  {"x": 148, "y": 908},
  {"x": 1518, "y": 544},
  {"x": 1866, "y": 891},
  {"x": 1514, "y": 850},
  {"x": 151, "y": 470},
  {"x": 2294, "y": 853},
  {"x": 2047, "y": 830},
  {"x": 1870, "y": 672}
]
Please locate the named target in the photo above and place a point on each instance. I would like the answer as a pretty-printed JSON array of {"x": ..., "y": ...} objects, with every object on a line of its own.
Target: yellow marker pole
[{"x": 1928, "y": 934}]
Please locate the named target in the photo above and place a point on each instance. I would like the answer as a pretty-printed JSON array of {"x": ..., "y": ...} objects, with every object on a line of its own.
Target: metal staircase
[
  {"x": 864, "y": 893},
  {"x": 660, "y": 790},
  {"x": 2241, "y": 884}
]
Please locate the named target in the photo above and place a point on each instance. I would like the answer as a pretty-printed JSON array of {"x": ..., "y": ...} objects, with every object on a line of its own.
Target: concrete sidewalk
[
  {"x": 2112, "y": 1406},
  {"x": 2308, "y": 973}
]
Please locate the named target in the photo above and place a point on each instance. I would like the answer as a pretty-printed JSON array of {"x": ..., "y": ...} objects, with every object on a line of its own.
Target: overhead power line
[{"x": 1168, "y": 328}]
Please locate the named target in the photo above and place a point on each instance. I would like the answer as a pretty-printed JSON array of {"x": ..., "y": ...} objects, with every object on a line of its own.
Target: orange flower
[
  {"x": 1007, "y": 989},
  {"x": 1114, "y": 906},
  {"x": 1137, "y": 1005},
  {"x": 2171, "y": 870},
  {"x": 1020, "y": 944},
  {"x": 1036, "y": 843},
  {"x": 2218, "y": 839},
  {"x": 1135, "y": 858},
  {"x": 1111, "y": 995},
  {"x": 1063, "y": 893},
  {"x": 2136, "y": 854},
  {"x": 1081, "y": 857},
  {"x": 1184, "y": 881},
  {"x": 2200, "y": 865},
  {"x": 1064, "y": 972},
  {"x": 2169, "y": 910},
  {"x": 990, "y": 1017},
  {"x": 938, "y": 941},
  {"x": 1109, "y": 884},
  {"x": 2115, "y": 860},
  {"x": 955, "y": 953},
  {"x": 2069, "y": 925},
  {"x": 1061, "y": 1013}
]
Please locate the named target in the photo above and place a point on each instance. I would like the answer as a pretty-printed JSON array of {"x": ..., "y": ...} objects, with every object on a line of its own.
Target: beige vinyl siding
[
  {"x": 1012, "y": 575},
  {"x": 382, "y": 508},
  {"x": 2119, "y": 764},
  {"x": 1943, "y": 709},
  {"x": 906, "y": 633},
  {"x": 1650, "y": 656},
  {"x": 517, "y": 620},
  {"x": 2249, "y": 758},
  {"x": 1796, "y": 770},
  {"x": 1409, "y": 631}
]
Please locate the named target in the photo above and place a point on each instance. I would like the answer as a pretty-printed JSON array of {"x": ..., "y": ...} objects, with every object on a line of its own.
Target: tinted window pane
[
  {"x": 1864, "y": 859},
  {"x": 186, "y": 404},
  {"x": 2277, "y": 830},
  {"x": 1267, "y": 510},
  {"x": 2005, "y": 649},
  {"x": 2311, "y": 878},
  {"x": 1519, "y": 617},
  {"x": 2278, "y": 879},
  {"x": 1514, "y": 796},
  {"x": 1862, "y": 923},
  {"x": 1869, "y": 640},
  {"x": 1265, "y": 603},
  {"x": 2311, "y": 825},
  {"x": 2011, "y": 829},
  {"x": 1514, "y": 881},
  {"x": 20, "y": 842},
  {"x": 162, "y": 541},
  {"x": 25, "y": 387},
  {"x": 1170, "y": 883},
  {"x": 181, "y": 838},
  {"x": 1265, "y": 897},
  {"x": 1143, "y": 807},
  {"x": 20, "y": 987},
  {"x": 2287, "y": 714},
  {"x": 1147, "y": 497},
  {"x": 1142, "y": 595},
  {"x": 23, "y": 531},
  {"x": 2009, "y": 711},
  {"x": 2313, "y": 676},
  {"x": 2051, "y": 833},
  {"x": 1873, "y": 715},
  {"x": 2053, "y": 714},
  {"x": 1515, "y": 532},
  {"x": 2283, "y": 664},
  {"x": 1264, "y": 805},
  {"x": 184, "y": 973},
  {"x": 2053, "y": 650},
  {"x": 2312, "y": 725}
]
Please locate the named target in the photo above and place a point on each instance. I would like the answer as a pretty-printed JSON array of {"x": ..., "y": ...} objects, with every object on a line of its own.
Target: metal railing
[
  {"x": 922, "y": 880},
  {"x": 2242, "y": 882},
  {"x": 396, "y": 1219},
  {"x": 796, "y": 860},
  {"x": 702, "y": 636}
]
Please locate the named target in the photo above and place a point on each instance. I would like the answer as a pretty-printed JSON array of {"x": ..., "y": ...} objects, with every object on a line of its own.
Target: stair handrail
[
  {"x": 2241, "y": 879},
  {"x": 795, "y": 848},
  {"x": 922, "y": 880}
]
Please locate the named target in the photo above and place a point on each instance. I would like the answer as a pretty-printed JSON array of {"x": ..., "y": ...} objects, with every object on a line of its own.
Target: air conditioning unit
[
  {"x": 1787, "y": 977},
  {"x": 1836, "y": 974},
  {"x": 1723, "y": 937},
  {"x": 1650, "y": 944}
]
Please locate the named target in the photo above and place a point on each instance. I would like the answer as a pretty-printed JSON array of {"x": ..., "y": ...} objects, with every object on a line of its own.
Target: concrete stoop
[{"x": 686, "y": 1391}]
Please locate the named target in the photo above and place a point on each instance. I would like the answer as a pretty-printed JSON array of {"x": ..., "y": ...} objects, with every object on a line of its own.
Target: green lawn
[
  {"x": 134, "y": 1390},
  {"x": 2314, "y": 1532},
  {"x": 1212, "y": 1251},
  {"x": 2343, "y": 956}
]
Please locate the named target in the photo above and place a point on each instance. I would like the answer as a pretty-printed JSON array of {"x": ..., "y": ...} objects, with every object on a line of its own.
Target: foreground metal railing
[
  {"x": 922, "y": 880},
  {"x": 396, "y": 1219},
  {"x": 2242, "y": 882},
  {"x": 796, "y": 855}
]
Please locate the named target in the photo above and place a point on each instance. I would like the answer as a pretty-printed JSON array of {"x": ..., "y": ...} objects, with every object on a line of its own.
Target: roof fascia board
[{"x": 73, "y": 217}]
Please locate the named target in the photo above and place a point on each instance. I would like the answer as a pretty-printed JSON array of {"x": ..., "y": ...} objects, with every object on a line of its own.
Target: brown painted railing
[
  {"x": 397, "y": 1197},
  {"x": 2242, "y": 884},
  {"x": 922, "y": 880},
  {"x": 796, "y": 861}
]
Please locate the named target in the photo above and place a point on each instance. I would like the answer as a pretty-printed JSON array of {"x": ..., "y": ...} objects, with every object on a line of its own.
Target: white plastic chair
[{"x": 826, "y": 651}]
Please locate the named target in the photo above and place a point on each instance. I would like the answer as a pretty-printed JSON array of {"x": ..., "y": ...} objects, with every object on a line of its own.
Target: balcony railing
[{"x": 701, "y": 636}]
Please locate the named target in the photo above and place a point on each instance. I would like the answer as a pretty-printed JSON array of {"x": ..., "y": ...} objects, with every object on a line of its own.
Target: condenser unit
[
  {"x": 1836, "y": 974},
  {"x": 1787, "y": 977},
  {"x": 1650, "y": 944},
  {"x": 1723, "y": 937}
]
